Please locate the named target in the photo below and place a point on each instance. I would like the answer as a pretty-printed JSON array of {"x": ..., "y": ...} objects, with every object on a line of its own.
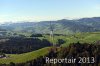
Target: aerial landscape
[{"x": 49, "y": 33}]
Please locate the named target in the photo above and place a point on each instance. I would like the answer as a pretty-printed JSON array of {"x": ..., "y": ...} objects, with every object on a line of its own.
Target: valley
[{"x": 29, "y": 43}]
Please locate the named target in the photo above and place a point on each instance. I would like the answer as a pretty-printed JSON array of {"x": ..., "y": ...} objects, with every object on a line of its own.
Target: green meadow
[{"x": 21, "y": 58}]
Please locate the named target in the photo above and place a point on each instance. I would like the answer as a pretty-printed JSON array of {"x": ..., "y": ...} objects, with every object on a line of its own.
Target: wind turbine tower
[{"x": 51, "y": 34}]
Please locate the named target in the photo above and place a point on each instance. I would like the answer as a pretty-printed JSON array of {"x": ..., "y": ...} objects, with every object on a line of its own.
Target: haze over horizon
[{"x": 44, "y": 10}]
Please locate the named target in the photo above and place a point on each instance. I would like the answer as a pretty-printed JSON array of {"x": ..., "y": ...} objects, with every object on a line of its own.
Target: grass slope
[
  {"x": 20, "y": 58},
  {"x": 89, "y": 37}
]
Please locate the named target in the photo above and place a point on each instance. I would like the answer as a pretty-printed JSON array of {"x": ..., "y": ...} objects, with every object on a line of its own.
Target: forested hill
[{"x": 59, "y": 26}]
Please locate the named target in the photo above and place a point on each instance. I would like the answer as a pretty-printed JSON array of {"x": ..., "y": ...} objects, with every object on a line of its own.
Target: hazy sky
[{"x": 39, "y": 10}]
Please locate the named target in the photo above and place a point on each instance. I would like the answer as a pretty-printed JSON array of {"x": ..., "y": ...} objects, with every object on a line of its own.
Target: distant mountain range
[{"x": 63, "y": 26}]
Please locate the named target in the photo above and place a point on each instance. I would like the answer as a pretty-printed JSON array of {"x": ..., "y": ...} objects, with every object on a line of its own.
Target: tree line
[{"x": 18, "y": 45}]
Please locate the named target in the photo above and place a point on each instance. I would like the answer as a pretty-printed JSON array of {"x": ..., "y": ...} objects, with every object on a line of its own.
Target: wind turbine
[
  {"x": 54, "y": 48},
  {"x": 51, "y": 34}
]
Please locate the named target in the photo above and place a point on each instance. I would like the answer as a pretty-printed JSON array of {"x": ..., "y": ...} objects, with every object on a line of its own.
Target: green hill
[
  {"x": 63, "y": 26},
  {"x": 83, "y": 38},
  {"x": 20, "y": 58}
]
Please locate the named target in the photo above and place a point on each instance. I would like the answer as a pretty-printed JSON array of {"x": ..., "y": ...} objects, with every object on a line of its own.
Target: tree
[
  {"x": 12, "y": 64},
  {"x": 61, "y": 41},
  {"x": 36, "y": 35}
]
